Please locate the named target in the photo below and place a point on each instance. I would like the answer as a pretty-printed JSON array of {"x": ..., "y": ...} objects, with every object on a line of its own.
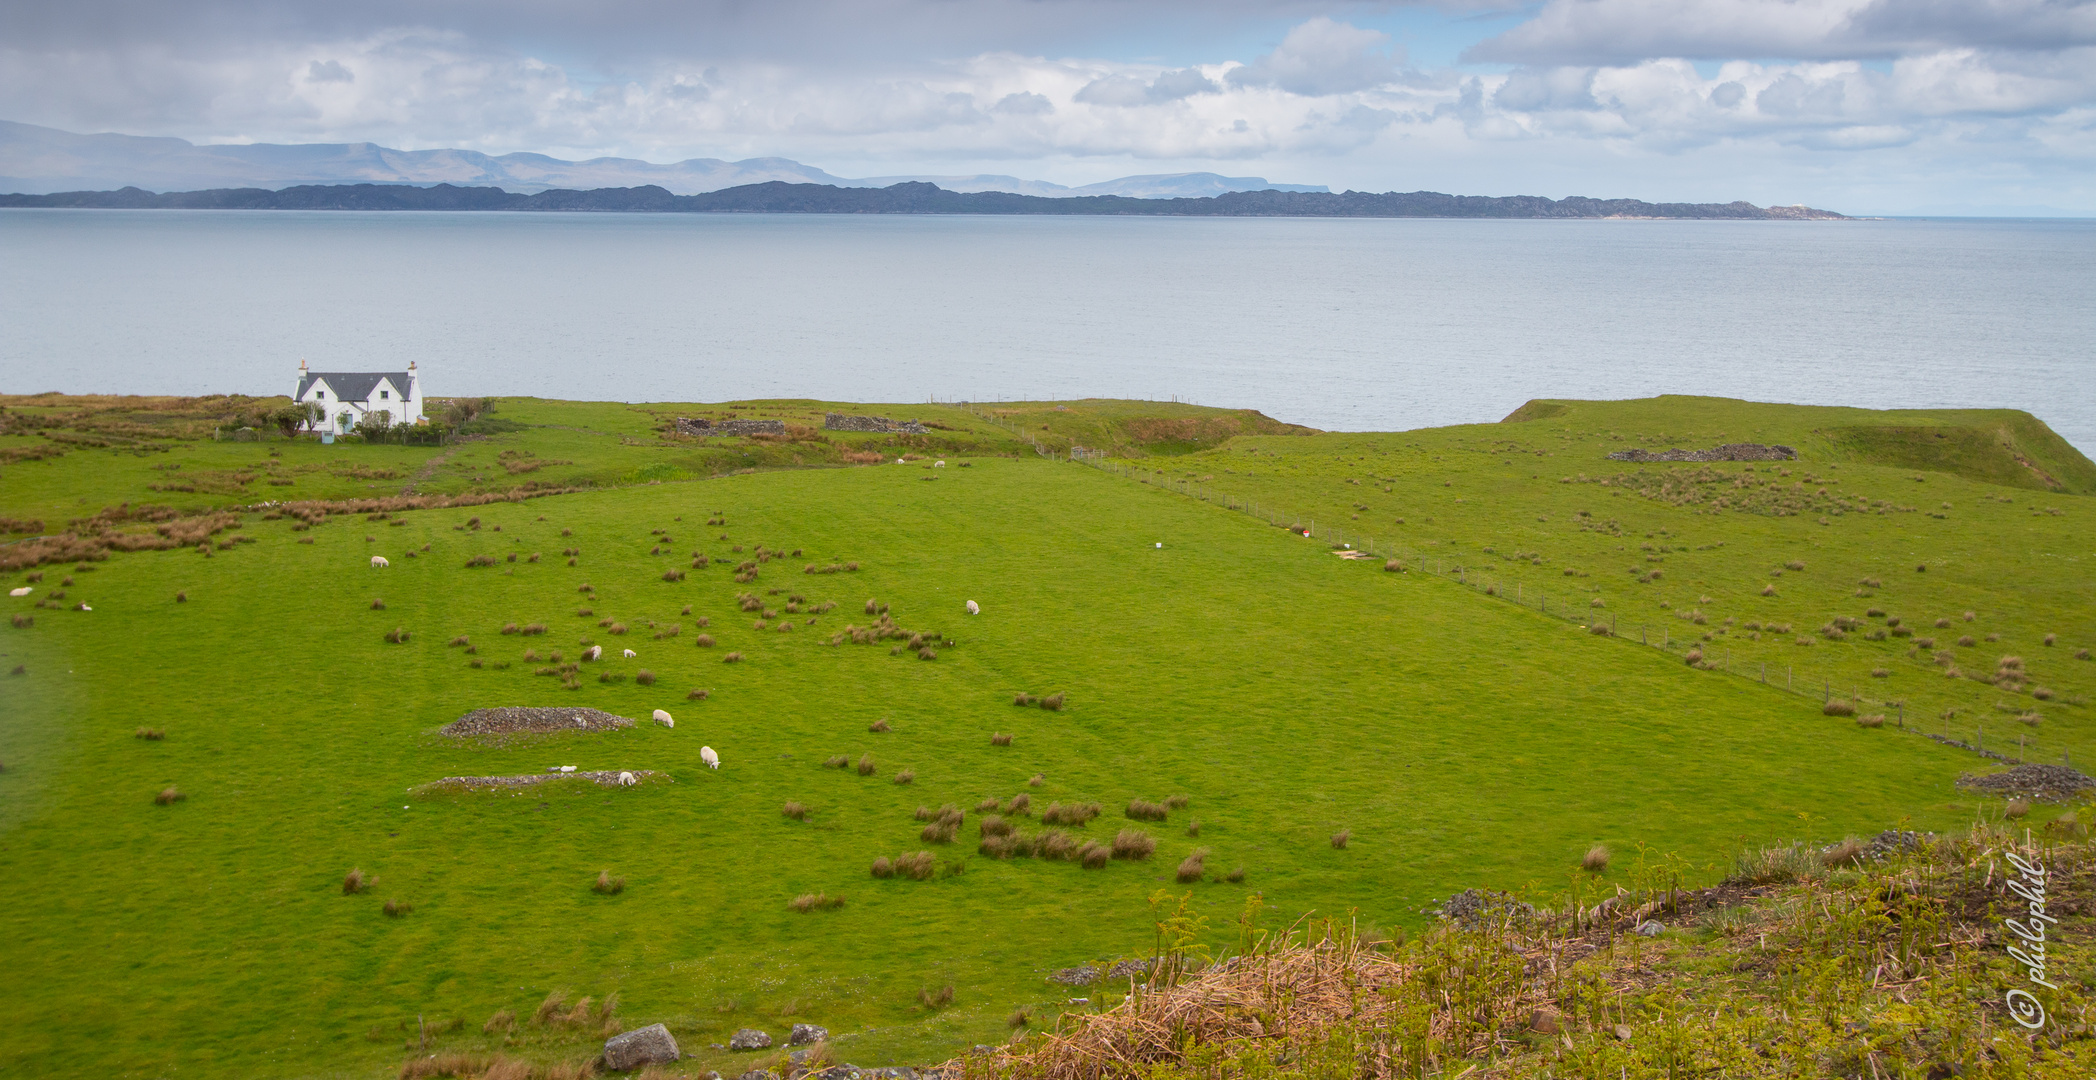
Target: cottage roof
[{"x": 355, "y": 385}]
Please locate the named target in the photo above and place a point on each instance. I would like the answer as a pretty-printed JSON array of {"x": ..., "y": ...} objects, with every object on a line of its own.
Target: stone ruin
[
  {"x": 1744, "y": 451},
  {"x": 879, "y": 424},
  {"x": 703, "y": 427}
]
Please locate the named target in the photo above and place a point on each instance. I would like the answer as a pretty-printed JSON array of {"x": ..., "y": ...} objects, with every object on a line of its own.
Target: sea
[{"x": 1361, "y": 324}]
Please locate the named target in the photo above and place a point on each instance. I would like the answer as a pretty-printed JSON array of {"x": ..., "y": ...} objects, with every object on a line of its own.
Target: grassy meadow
[{"x": 1459, "y": 738}]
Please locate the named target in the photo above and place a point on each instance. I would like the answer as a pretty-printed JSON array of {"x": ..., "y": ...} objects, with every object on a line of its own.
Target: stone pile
[{"x": 1728, "y": 452}]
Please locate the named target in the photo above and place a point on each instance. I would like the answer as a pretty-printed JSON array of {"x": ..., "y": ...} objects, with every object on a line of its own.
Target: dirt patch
[
  {"x": 515, "y": 720},
  {"x": 600, "y": 777},
  {"x": 2055, "y": 782}
]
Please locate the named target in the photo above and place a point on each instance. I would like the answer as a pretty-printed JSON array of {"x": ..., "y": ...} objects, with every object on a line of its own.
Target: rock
[
  {"x": 1544, "y": 1021},
  {"x": 1623, "y": 1032},
  {"x": 1651, "y": 929},
  {"x": 758, "y": 1074},
  {"x": 838, "y": 1072},
  {"x": 651, "y": 1045},
  {"x": 803, "y": 1034},
  {"x": 1082, "y": 975},
  {"x": 979, "y": 1048},
  {"x": 749, "y": 1039},
  {"x": 709, "y": 1074}
]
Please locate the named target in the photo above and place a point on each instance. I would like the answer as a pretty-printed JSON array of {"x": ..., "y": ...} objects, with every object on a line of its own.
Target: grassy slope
[{"x": 1288, "y": 693}]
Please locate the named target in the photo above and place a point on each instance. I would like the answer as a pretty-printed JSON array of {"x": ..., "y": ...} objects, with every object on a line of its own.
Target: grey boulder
[
  {"x": 758, "y": 1074},
  {"x": 807, "y": 1033},
  {"x": 749, "y": 1039},
  {"x": 651, "y": 1045},
  {"x": 1651, "y": 929}
]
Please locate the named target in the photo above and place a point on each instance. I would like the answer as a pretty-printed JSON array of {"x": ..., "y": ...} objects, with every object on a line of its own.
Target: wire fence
[{"x": 1577, "y": 610}]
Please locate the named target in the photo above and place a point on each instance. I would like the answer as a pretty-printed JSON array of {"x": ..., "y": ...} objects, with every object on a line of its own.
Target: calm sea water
[{"x": 1338, "y": 324}]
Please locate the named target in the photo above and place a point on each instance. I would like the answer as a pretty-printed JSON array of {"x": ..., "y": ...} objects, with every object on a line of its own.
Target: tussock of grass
[
  {"x": 1873, "y": 720},
  {"x": 1000, "y": 739},
  {"x": 1341, "y": 838},
  {"x": 807, "y": 902},
  {"x": 149, "y": 734},
  {"x": 1074, "y": 814},
  {"x": 1838, "y": 707},
  {"x": 1020, "y": 805},
  {"x": 169, "y": 796},
  {"x": 356, "y": 881},
  {"x": 1093, "y": 855},
  {"x": 866, "y": 765},
  {"x": 607, "y": 885},
  {"x": 1133, "y": 844},
  {"x": 878, "y": 726},
  {"x": 1036, "y": 780},
  {"x": 883, "y": 867},
  {"x": 906, "y": 776},
  {"x": 1192, "y": 867},
  {"x": 1144, "y": 810},
  {"x": 395, "y": 909},
  {"x": 936, "y": 999},
  {"x": 1595, "y": 860},
  {"x": 795, "y": 811},
  {"x": 836, "y": 761}
]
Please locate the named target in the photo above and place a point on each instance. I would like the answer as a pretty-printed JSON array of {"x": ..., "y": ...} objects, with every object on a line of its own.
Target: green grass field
[{"x": 1463, "y": 739}]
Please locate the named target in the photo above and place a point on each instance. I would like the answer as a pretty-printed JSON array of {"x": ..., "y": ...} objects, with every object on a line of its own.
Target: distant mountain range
[
  {"x": 910, "y": 197},
  {"x": 40, "y": 160}
]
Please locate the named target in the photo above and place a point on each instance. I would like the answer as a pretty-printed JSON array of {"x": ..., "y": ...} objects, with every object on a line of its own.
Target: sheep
[
  {"x": 627, "y": 779},
  {"x": 378, "y": 562},
  {"x": 630, "y": 654},
  {"x": 593, "y": 652},
  {"x": 567, "y": 768},
  {"x": 23, "y": 591},
  {"x": 939, "y": 464},
  {"x": 662, "y": 717},
  {"x": 707, "y": 755},
  {"x": 973, "y": 608}
]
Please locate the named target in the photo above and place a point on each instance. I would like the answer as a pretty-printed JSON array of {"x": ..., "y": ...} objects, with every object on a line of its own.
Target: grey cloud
[
  {"x": 1727, "y": 95},
  {"x": 1024, "y": 104},
  {"x": 1321, "y": 57},
  {"x": 1796, "y": 97},
  {"x": 1127, "y": 90},
  {"x": 1536, "y": 90},
  {"x": 330, "y": 71}
]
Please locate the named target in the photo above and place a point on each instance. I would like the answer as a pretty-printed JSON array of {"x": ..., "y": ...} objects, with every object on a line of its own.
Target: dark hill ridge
[{"x": 778, "y": 197}]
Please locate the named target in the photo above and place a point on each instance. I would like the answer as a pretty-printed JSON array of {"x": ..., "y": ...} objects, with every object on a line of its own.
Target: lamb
[
  {"x": 939, "y": 464},
  {"x": 973, "y": 609},
  {"x": 627, "y": 779},
  {"x": 378, "y": 562},
  {"x": 707, "y": 755},
  {"x": 593, "y": 652},
  {"x": 567, "y": 768},
  {"x": 630, "y": 654},
  {"x": 663, "y": 718},
  {"x": 23, "y": 591}
]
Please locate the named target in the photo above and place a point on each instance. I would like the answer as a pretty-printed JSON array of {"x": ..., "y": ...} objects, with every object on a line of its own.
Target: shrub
[
  {"x": 356, "y": 881},
  {"x": 608, "y": 885},
  {"x": 795, "y": 811},
  {"x": 882, "y": 867},
  {"x": 1838, "y": 707},
  {"x": 1848, "y": 851},
  {"x": 878, "y": 726},
  {"x": 731, "y": 658},
  {"x": 865, "y": 764},
  {"x": 644, "y": 677},
  {"x": 1191, "y": 868},
  {"x": 1000, "y": 740},
  {"x": 1133, "y": 844},
  {"x": 149, "y": 734},
  {"x": 905, "y": 776},
  {"x": 1144, "y": 810},
  {"x": 1596, "y": 859},
  {"x": 1093, "y": 855},
  {"x": 1871, "y": 721},
  {"x": 396, "y": 908}
]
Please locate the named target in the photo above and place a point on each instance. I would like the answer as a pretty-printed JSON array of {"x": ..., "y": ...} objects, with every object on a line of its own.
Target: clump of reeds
[
  {"x": 1020, "y": 805},
  {"x": 1000, "y": 739},
  {"x": 169, "y": 795},
  {"x": 1967, "y": 641},
  {"x": 807, "y": 902},
  {"x": 1133, "y": 844},
  {"x": 936, "y": 999},
  {"x": 866, "y": 765},
  {"x": 795, "y": 811},
  {"x": 396, "y": 908},
  {"x": 1053, "y": 702},
  {"x": 1074, "y": 814},
  {"x": 503, "y": 1021},
  {"x": 397, "y": 636},
  {"x": 149, "y": 734},
  {"x": 23, "y": 622},
  {"x": 1192, "y": 867},
  {"x": 1144, "y": 810},
  {"x": 994, "y": 825},
  {"x": 940, "y": 830},
  {"x": 883, "y": 867},
  {"x": 1838, "y": 707},
  {"x": 1018, "y": 1019},
  {"x": 1872, "y": 720},
  {"x": 1235, "y": 876},
  {"x": 905, "y": 776},
  {"x": 1596, "y": 859},
  {"x": 917, "y": 866},
  {"x": 878, "y": 726},
  {"x": 357, "y": 881},
  {"x": 1093, "y": 855}
]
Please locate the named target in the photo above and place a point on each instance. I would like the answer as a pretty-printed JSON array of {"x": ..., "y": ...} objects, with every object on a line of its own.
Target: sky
[{"x": 1981, "y": 107}]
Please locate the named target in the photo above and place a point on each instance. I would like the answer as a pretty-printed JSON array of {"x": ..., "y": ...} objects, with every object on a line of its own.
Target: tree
[
  {"x": 293, "y": 417},
  {"x": 374, "y": 425}
]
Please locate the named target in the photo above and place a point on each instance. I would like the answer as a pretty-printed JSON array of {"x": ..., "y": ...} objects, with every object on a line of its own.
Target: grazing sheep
[
  {"x": 663, "y": 718},
  {"x": 567, "y": 768},
  {"x": 707, "y": 755},
  {"x": 378, "y": 562},
  {"x": 23, "y": 591},
  {"x": 593, "y": 652},
  {"x": 973, "y": 609},
  {"x": 939, "y": 464},
  {"x": 627, "y": 779},
  {"x": 630, "y": 654}
]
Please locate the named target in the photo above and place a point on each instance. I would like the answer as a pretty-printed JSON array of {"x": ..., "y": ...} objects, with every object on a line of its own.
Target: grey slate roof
[{"x": 356, "y": 386}]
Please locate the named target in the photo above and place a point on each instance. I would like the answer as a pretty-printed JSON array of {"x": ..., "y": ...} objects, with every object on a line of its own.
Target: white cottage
[{"x": 349, "y": 396}]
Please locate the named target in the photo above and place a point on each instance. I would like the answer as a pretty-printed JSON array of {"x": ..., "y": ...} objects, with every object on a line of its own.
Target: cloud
[
  {"x": 1534, "y": 90},
  {"x": 1321, "y": 57},
  {"x": 328, "y": 71},
  {"x": 1024, "y": 104}
]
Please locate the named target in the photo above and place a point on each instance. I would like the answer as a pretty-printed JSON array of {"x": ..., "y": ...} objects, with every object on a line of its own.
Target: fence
[{"x": 1650, "y": 635}]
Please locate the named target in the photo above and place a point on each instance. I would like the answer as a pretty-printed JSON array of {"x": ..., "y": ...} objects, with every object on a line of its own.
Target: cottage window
[{"x": 384, "y": 394}]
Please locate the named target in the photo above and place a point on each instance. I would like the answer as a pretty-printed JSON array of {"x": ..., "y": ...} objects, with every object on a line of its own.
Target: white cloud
[{"x": 1321, "y": 57}]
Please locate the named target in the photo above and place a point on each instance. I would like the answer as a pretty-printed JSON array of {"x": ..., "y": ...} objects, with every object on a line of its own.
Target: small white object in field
[
  {"x": 939, "y": 464},
  {"x": 84, "y": 607},
  {"x": 1160, "y": 543},
  {"x": 567, "y": 768},
  {"x": 627, "y": 779},
  {"x": 378, "y": 561},
  {"x": 630, "y": 654},
  {"x": 973, "y": 609},
  {"x": 898, "y": 461},
  {"x": 707, "y": 755},
  {"x": 593, "y": 652},
  {"x": 662, "y": 717},
  {"x": 23, "y": 591}
]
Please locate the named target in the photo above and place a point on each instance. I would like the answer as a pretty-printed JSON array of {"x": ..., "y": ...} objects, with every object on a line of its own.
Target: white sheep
[
  {"x": 23, "y": 591},
  {"x": 378, "y": 562},
  {"x": 627, "y": 779},
  {"x": 663, "y": 718},
  {"x": 593, "y": 652},
  {"x": 940, "y": 464},
  {"x": 567, "y": 768},
  {"x": 973, "y": 608},
  {"x": 630, "y": 654},
  {"x": 707, "y": 755}
]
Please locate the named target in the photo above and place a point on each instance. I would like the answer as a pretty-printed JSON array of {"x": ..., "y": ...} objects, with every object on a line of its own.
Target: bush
[
  {"x": 1191, "y": 868},
  {"x": 1133, "y": 844},
  {"x": 1596, "y": 859},
  {"x": 1838, "y": 707},
  {"x": 608, "y": 885}
]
